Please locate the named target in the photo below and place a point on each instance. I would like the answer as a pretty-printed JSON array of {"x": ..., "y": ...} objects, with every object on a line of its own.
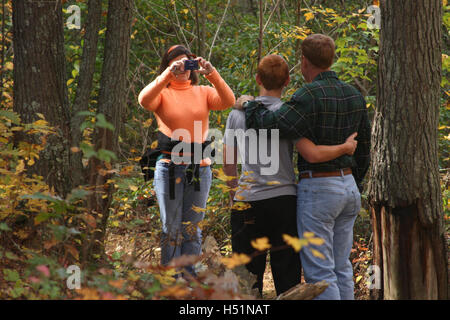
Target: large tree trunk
[
  {"x": 404, "y": 190},
  {"x": 40, "y": 86},
  {"x": 112, "y": 103}
]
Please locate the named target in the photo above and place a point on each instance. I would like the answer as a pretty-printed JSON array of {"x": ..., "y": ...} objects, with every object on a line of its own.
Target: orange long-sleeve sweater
[{"x": 180, "y": 104}]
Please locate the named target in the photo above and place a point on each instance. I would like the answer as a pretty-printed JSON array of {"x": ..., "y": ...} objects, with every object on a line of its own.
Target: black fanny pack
[{"x": 164, "y": 151}]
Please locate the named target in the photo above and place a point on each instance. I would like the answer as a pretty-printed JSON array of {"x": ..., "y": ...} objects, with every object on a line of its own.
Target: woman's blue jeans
[
  {"x": 180, "y": 232},
  {"x": 328, "y": 207}
]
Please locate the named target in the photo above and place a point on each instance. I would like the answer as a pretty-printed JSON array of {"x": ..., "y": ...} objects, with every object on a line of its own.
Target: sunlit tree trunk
[{"x": 404, "y": 189}]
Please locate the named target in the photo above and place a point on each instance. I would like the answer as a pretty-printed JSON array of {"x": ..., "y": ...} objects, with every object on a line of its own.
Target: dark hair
[
  {"x": 174, "y": 52},
  {"x": 273, "y": 71},
  {"x": 319, "y": 50}
]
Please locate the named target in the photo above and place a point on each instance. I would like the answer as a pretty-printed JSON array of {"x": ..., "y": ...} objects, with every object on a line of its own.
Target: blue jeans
[
  {"x": 180, "y": 232},
  {"x": 328, "y": 207}
]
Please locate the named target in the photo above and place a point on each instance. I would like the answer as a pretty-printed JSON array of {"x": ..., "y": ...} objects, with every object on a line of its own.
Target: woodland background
[{"x": 80, "y": 199}]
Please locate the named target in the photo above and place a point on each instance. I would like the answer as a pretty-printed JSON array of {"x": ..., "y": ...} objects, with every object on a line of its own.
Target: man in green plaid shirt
[{"x": 326, "y": 111}]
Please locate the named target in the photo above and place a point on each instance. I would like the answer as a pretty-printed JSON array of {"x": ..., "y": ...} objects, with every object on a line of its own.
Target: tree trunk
[
  {"x": 112, "y": 103},
  {"x": 404, "y": 189},
  {"x": 40, "y": 84},
  {"x": 84, "y": 88},
  {"x": 298, "y": 51},
  {"x": 261, "y": 26}
]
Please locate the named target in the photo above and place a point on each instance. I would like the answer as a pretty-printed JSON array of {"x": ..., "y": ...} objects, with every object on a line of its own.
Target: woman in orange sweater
[{"x": 180, "y": 105}]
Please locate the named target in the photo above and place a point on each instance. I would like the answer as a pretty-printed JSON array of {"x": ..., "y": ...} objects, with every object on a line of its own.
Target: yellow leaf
[
  {"x": 308, "y": 234},
  {"x": 198, "y": 209},
  {"x": 317, "y": 253},
  {"x": 20, "y": 167},
  {"x": 154, "y": 144},
  {"x": 133, "y": 188},
  {"x": 148, "y": 123},
  {"x": 235, "y": 260},
  {"x": 222, "y": 176},
  {"x": 9, "y": 65},
  {"x": 240, "y": 206},
  {"x": 40, "y": 123},
  {"x": 358, "y": 278},
  {"x": 115, "y": 223},
  {"x": 261, "y": 244},
  {"x": 295, "y": 242},
  {"x": 316, "y": 241},
  {"x": 271, "y": 183},
  {"x": 309, "y": 16}
]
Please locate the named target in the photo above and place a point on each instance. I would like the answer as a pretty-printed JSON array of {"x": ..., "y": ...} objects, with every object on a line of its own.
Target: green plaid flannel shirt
[{"x": 326, "y": 111}]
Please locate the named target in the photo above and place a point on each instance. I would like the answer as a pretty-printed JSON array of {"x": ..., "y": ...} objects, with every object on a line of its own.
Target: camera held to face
[{"x": 191, "y": 65}]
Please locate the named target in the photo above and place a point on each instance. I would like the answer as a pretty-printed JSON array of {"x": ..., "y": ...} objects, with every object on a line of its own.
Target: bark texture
[
  {"x": 84, "y": 87},
  {"x": 112, "y": 103},
  {"x": 40, "y": 84},
  {"x": 404, "y": 189}
]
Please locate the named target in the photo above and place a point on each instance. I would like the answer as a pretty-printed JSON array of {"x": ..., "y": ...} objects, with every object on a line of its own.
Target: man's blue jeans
[
  {"x": 180, "y": 232},
  {"x": 328, "y": 207}
]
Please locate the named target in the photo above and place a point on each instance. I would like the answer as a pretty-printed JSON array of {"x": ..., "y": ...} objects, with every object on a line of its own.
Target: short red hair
[{"x": 273, "y": 71}]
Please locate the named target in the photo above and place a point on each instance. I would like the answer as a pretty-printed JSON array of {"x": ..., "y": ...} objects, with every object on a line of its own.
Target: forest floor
[{"x": 143, "y": 243}]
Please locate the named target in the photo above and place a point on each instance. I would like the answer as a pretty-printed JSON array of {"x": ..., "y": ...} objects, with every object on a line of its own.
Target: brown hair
[
  {"x": 319, "y": 50},
  {"x": 273, "y": 71},
  {"x": 172, "y": 53}
]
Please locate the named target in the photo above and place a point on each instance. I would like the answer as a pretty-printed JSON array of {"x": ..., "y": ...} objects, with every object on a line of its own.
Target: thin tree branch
[
  {"x": 178, "y": 23},
  {"x": 218, "y": 28},
  {"x": 271, "y": 14}
]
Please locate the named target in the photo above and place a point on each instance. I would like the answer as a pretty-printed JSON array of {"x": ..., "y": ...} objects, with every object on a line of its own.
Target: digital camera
[{"x": 191, "y": 65}]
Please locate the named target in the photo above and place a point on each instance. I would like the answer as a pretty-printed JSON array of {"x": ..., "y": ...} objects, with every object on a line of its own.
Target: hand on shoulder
[{"x": 241, "y": 100}]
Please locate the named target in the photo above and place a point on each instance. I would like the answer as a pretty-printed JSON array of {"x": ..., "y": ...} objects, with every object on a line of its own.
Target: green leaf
[
  {"x": 106, "y": 155},
  {"x": 88, "y": 151},
  {"x": 11, "y": 256},
  {"x": 86, "y": 124},
  {"x": 77, "y": 194},
  {"x": 11, "y": 115},
  {"x": 43, "y": 216},
  {"x": 42, "y": 196},
  {"x": 85, "y": 114},
  {"x": 4, "y": 227},
  {"x": 11, "y": 275},
  {"x": 103, "y": 123}
]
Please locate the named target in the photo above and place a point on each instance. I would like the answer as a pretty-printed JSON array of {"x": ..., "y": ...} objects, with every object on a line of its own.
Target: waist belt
[
  {"x": 192, "y": 170},
  {"x": 338, "y": 173}
]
